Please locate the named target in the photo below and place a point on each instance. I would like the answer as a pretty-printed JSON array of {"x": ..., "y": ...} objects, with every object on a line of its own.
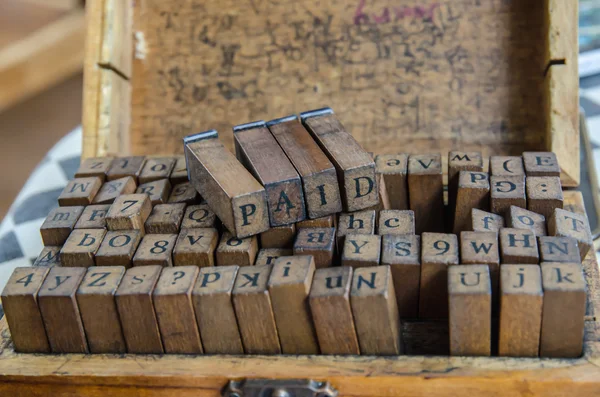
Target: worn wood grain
[
  {"x": 403, "y": 255},
  {"x": 472, "y": 192},
  {"x": 331, "y": 312},
  {"x": 260, "y": 153},
  {"x": 393, "y": 168},
  {"x": 354, "y": 166},
  {"x": 196, "y": 246},
  {"x": 563, "y": 309},
  {"x": 22, "y": 312},
  {"x": 118, "y": 247},
  {"x": 214, "y": 310},
  {"x": 59, "y": 224},
  {"x": 470, "y": 310},
  {"x": 375, "y": 311},
  {"x": 289, "y": 286},
  {"x": 98, "y": 309},
  {"x": 426, "y": 191},
  {"x": 60, "y": 312},
  {"x": 172, "y": 298},
  {"x": 319, "y": 180},
  {"x": 110, "y": 190},
  {"x": 93, "y": 217},
  {"x": 278, "y": 237},
  {"x": 80, "y": 248},
  {"x": 233, "y": 194},
  {"x": 165, "y": 218},
  {"x": 254, "y": 311},
  {"x": 319, "y": 242},
  {"x": 136, "y": 310},
  {"x": 521, "y": 302}
]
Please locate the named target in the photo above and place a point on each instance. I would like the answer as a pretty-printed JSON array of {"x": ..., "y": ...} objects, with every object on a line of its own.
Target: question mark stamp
[{"x": 177, "y": 276}]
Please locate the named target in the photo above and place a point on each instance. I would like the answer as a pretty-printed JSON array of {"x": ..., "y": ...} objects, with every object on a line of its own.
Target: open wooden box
[{"x": 419, "y": 76}]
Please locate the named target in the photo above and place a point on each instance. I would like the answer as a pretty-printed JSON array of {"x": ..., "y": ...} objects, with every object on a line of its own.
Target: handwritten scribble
[{"x": 420, "y": 72}]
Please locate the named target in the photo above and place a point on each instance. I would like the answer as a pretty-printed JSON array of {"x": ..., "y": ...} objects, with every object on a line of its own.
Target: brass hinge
[{"x": 279, "y": 388}]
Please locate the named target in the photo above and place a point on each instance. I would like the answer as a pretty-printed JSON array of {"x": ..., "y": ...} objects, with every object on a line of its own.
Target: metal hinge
[{"x": 279, "y": 388}]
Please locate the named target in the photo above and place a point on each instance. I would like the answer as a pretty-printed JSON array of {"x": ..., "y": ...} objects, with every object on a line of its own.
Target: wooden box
[{"x": 493, "y": 75}]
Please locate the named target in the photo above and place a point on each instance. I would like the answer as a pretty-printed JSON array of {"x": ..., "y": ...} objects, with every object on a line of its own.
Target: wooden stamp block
[
  {"x": 393, "y": 168},
  {"x": 80, "y": 191},
  {"x": 289, "y": 285},
  {"x": 520, "y": 218},
  {"x": 118, "y": 247},
  {"x": 331, "y": 312},
  {"x": 157, "y": 168},
  {"x": 136, "y": 310},
  {"x": 93, "y": 217},
  {"x": 506, "y": 191},
  {"x": 457, "y": 163},
  {"x": 129, "y": 212},
  {"x": 233, "y": 194},
  {"x": 20, "y": 304},
  {"x": 49, "y": 257},
  {"x": 318, "y": 242},
  {"x": 403, "y": 255},
  {"x": 470, "y": 310},
  {"x": 98, "y": 308},
  {"x": 518, "y": 246},
  {"x": 569, "y": 224},
  {"x": 559, "y": 249},
  {"x": 236, "y": 251},
  {"x": 482, "y": 248},
  {"x": 563, "y": 310},
  {"x": 59, "y": 224},
  {"x": 95, "y": 166},
  {"x": 81, "y": 247},
  {"x": 541, "y": 164},
  {"x": 184, "y": 193},
  {"x": 126, "y": 166},
  {"x": 179, "y": 173},
  {"x": 482, "y": 221},
  {"x": 426, "y": 191},
  {"x": 438, "y": 252},
  {"x": 360, "y": 222},
  {"x": 172, "y": 299},
  {"x": 196, "y": 247},
  {"x": 198, "y": 216},
  {"x": 278, "y": 237},
  {"x": 155, "y": 249},
  {"x": 396, "y": 222},
  {"x": 110, "y": 190},
  {"x": 165, "y": 218},
  {"x": 254, "y": 312},
  {"x": 375, "y": 311},
  {"x": 319, "y": 178},
  {"x": 506, "y": 166},
  {"x": 267, "y": 256},
  {"x": 544, "y": 194},
  {"x": 361, "y": 250},
  {"x": 60, "y": 312},
  {"x": 473, "y": 191},
  {"x": 214, "y": 310},
  {"x": 326, "y": 221},
  {"x": 521, "y": 299},
  {"x": 260, "y": 153},
  {"x": 355, "y": 167},
  {"x": 158, "y": 191}
]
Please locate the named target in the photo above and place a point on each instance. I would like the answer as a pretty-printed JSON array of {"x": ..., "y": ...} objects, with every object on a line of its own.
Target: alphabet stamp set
[{"x": 303, "y": 243}]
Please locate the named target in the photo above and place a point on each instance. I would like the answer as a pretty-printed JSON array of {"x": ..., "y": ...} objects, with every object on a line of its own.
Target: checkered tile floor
[{"x": 20, "y": 241}]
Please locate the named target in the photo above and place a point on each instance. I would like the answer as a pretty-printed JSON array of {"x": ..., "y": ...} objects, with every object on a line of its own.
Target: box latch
[{"x": 279, "y": 388}]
